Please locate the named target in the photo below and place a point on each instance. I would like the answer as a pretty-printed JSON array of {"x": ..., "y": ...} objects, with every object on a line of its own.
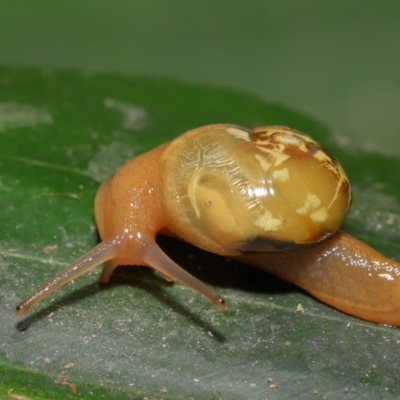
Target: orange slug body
[
  {"x": 270, "y": 196},
  {"x": 343, "y": 272}
]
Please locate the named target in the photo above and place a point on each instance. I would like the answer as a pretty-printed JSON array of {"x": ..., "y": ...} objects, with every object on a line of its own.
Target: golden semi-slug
[{"x": 270, "y": 196}]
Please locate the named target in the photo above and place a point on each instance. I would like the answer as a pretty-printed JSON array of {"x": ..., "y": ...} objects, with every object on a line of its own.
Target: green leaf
[{"x": 61, "y": 133}]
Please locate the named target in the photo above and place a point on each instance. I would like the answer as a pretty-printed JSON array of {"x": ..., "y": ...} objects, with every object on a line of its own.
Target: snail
[{"x": 270, "y": 196}]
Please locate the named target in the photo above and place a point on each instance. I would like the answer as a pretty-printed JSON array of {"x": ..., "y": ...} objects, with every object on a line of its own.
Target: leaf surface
[{"x": 61, "y": 133}]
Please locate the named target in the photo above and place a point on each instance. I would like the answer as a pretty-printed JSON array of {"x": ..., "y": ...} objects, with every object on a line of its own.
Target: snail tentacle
[{"x": 104, "y": 251}]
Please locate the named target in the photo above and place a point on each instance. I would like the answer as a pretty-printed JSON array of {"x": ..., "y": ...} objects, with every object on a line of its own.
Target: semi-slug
[{"x": 270, "y": 196}]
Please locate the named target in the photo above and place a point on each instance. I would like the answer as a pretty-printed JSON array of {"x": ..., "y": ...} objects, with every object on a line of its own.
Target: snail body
[
  {"x": 270, "y": 196},
  {"x": 343, "y": 272}
]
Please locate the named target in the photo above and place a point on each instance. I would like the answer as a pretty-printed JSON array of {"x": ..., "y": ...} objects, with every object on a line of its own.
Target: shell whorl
[{"x": 229, "y": 189}]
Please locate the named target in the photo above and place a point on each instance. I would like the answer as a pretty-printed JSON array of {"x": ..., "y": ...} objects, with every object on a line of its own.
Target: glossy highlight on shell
[{"x": 267, "y": 189}]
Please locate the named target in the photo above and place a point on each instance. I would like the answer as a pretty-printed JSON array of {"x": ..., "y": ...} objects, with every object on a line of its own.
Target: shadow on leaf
[{"x": 212, "y": 269}]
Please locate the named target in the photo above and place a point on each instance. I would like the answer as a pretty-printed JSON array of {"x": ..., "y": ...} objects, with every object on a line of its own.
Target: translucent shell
[{"x": 230, "y": 189}]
